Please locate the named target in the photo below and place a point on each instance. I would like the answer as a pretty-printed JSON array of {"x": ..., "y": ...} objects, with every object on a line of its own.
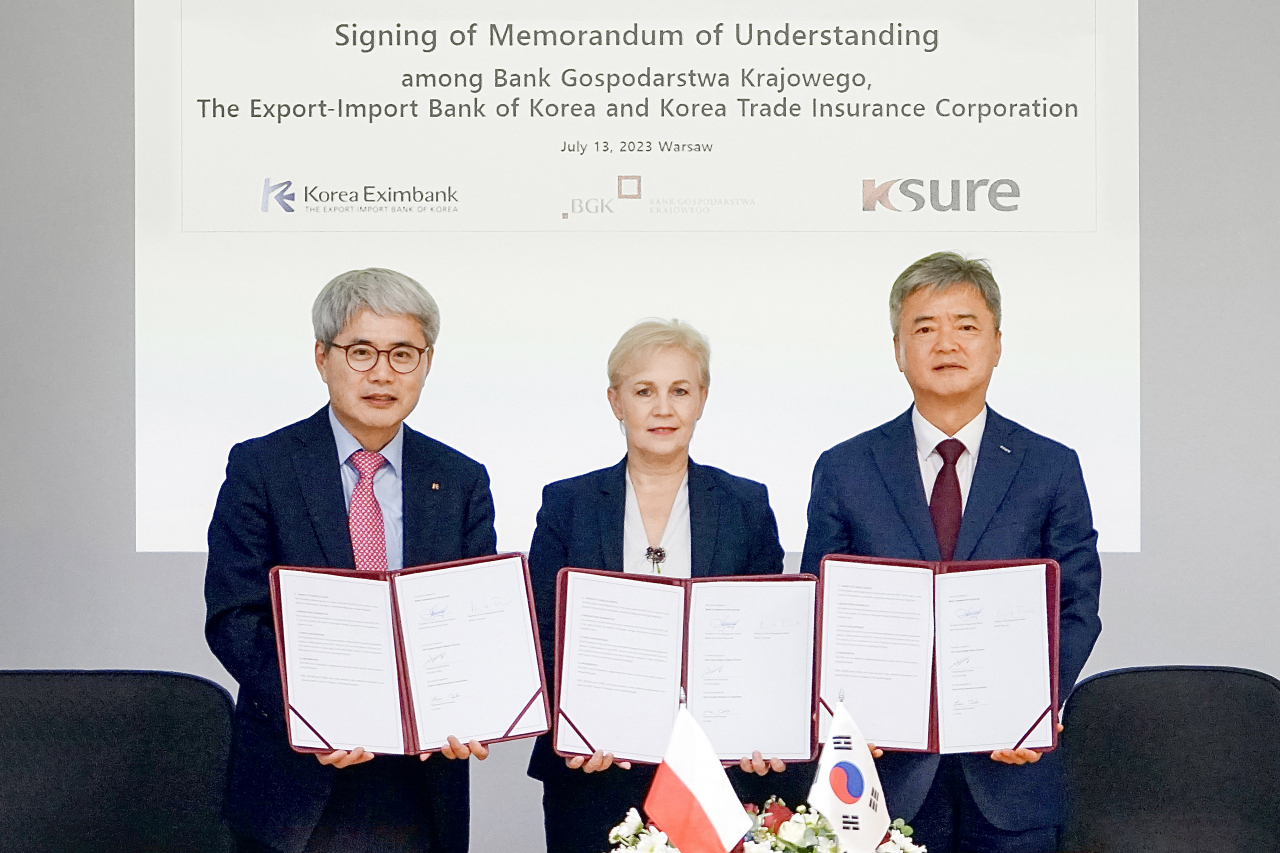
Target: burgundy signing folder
[
  {"x": 866, "y": 667},
  {"x": 329, "y": 660}
]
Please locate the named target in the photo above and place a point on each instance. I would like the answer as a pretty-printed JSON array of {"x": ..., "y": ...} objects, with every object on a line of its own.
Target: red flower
[
  {"x": 775, "y": 815},
  {"x": 751, "y": 808}
]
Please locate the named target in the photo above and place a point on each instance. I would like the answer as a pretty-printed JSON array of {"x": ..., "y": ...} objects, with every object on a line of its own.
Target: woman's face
[{"x": 659, "y": 401}]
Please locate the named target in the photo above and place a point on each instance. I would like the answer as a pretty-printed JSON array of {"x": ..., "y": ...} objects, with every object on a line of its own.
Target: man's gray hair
[
  {"x": 385, "y": 292},
  {"x": 940, "y": 271}
]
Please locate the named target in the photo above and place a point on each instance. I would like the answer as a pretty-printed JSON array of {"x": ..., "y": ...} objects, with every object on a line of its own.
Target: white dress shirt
[
  {"x": 677, "y": 539},
  {"x": 386, "y": 485},
  {"x": 928, "y": 437}
]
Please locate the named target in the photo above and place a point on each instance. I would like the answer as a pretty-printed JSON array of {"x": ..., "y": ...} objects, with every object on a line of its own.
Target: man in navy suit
[
  {"x": 951, "y": 479},
  {"x": 350, "y": 487}
]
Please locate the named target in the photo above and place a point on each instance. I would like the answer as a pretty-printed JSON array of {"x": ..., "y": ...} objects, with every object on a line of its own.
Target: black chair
[
  {"x": 1175, "y": 758},
  {"x": 112, "y": 762}
]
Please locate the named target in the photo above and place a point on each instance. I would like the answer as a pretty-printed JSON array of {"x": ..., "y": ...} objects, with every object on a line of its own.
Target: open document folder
[
  {"x": 398, "y": 661},
  {"x": 943, "y": 657},
  {"x": 743, "y": 649}
]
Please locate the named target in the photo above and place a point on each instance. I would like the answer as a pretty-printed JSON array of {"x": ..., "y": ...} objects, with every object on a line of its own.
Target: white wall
[{"x": 74, "y": 594}]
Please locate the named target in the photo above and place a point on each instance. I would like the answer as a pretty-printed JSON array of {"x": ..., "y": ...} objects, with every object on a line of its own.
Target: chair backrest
[
  {"x": 1175, "y": 758},
  {"x": 112, "y": 761}
]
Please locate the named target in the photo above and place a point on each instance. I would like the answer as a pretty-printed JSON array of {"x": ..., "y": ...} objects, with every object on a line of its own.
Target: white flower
[
  {"x": 792, "y": 832},
  {"x": 756, "y": 847},
  {"x": 631, "y": 824},
  {"x": 827, "y": 844},
  {"x": 653, "y": 841},
  {"x": 796, "y": 831}
]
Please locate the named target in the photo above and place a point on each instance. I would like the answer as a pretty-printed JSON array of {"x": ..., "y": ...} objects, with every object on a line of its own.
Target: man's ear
[
  {"x": 999, "y": 347},
  {"x": 321, "y": 357},
  {"x": 427, "y": 356},
  {"x": 897, "y": 354}
]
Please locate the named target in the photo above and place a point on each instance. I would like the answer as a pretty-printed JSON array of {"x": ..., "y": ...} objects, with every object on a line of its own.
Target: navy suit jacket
[
  {"x": 1027, "y": 500},
  {"x": 283, "y": 504},
  {"x": 580, "y": 524}
]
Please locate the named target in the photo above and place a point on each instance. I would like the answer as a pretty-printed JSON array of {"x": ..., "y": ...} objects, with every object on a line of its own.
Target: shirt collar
[
  {"x": 347, "y": 444},
  {"x": 928, "y": 436}
]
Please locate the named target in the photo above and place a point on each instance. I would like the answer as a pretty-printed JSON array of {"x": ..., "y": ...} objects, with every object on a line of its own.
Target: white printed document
[
  {"x": 993, "y": 660},
  {"x": 877, "y": 644},
  {"x": 619, "y": 686},
  {"x": 742, "y": 650},
  {"x": 751, "y": 666},
  {"x": 341, "y": 679},
  {"x": 396, "y": 662},
  {"x": 942, "y": 657}
]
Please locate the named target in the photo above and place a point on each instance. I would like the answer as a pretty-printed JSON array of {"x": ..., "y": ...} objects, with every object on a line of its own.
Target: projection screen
[{"x": 555, "y": 171}]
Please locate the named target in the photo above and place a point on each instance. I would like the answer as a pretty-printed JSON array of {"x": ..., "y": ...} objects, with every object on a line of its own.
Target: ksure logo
[{"x": 942, "y": 196}]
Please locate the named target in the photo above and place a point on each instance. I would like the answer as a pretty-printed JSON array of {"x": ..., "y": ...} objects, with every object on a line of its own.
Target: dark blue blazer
[
  {"x": 283, "y": 504},
  {"x": 580, "y": 524},
  {"x": 1027, "y": 500}
]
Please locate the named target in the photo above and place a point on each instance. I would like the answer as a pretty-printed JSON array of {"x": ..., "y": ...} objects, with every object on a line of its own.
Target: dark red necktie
[{"x": 944, "y": 503}]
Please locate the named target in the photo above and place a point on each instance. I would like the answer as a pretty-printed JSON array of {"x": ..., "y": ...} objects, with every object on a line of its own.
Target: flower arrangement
[
  {"x": 778, "y": 828},
  {"x": 774, "y": 829}
]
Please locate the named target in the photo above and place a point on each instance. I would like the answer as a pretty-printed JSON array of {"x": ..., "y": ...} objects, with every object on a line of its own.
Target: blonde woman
[{"x": 656, "y": 511}]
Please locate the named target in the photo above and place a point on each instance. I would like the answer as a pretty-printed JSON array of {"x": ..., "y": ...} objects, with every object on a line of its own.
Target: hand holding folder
[{"x": 454, "y": 749}]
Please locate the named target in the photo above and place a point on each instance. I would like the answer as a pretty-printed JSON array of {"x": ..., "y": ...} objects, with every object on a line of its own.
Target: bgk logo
[
  {"x": 279, "y": 192},
  {"x": 995, "y": 193},
  {"x": 591, "y": 205}
]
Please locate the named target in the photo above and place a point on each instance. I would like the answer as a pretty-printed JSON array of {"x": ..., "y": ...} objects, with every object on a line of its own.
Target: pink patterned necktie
[{"x": 368, "y": 538}]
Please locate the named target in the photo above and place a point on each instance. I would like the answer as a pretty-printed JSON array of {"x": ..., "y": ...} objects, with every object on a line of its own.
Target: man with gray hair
[
  {"x": 952, "y": 480},
  {"x": 350, "y": 487}
]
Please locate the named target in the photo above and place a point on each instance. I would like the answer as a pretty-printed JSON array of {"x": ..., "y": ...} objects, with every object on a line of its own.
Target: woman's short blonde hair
[{"x": 648, "y": 336}]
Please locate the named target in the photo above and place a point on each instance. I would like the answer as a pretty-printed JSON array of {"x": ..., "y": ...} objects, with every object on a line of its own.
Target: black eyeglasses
[{"x": 362, "y": 357}]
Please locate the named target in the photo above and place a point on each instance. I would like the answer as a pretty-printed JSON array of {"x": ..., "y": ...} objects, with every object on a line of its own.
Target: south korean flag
[{"x": 847, "y": 789}]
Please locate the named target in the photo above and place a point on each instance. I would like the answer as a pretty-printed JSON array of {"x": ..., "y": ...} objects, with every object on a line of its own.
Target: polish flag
[{"x": 691, "y": 799}]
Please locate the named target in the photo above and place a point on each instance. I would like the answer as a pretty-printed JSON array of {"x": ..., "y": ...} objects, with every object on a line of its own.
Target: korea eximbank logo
[
  {"x": 943, "y": 195},
  {"x": 277, "y": 192}
]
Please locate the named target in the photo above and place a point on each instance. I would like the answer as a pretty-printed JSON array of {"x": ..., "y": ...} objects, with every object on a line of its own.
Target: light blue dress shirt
[{"x": 387, "y": 487}]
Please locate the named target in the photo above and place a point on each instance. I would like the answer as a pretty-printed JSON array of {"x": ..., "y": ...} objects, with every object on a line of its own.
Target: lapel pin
[
  {"x": 435, "y": 487},
  {"x": 1002, "y": 447}
]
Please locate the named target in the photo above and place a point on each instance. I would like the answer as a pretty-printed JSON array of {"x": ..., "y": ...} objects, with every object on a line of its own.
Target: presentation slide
[{"x": 553, "y": 172}]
